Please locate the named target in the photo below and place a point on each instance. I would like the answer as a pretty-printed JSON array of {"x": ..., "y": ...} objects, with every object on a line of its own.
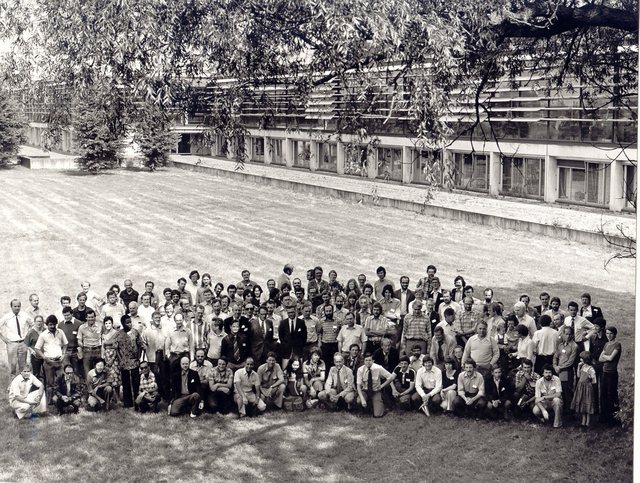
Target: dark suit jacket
[
  {"x": 392, "y": 358},
  {"x": 292, "y": 343},
  {"x": 595, "y": 313},
  {"x": 410, "y": 296},
  {"x": 503, "y": 391},
  {"x": 61, "y": 387},
  {"x": 261, "y": 342},
  {"x": 245, "y": 326},
  {"x": 193, "y": 383},
  {"x": 227, "y": 348},
  {"x": 353, "y": 365}
]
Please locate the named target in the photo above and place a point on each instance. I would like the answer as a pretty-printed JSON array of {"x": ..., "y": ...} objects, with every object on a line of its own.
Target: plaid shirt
[
  {"x": 529, "y": 389},
  {"x": 417, "y": 327},
  {"x": 148, "y": 383},
  {"x": 466, "y": 321}
]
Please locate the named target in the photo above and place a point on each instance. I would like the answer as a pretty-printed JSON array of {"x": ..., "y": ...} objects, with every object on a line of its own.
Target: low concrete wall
[
  {"x": 448, "y": 213},
  {"x": 47, "y": 162}
]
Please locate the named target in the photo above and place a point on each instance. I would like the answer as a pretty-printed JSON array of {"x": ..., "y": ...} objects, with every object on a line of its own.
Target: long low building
[{"x": 549, "y": 147}]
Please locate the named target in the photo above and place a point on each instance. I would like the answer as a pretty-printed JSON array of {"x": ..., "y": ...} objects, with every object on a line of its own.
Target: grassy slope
[{"x": 60, "y": 229}]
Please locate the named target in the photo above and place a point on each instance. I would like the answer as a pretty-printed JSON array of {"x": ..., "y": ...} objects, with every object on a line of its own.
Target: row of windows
[{"x": 582, "y": 182}]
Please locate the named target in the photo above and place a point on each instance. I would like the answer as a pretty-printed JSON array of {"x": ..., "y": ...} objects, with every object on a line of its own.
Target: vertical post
[
  {"x": 494, "y": 173},
  {"x": 248, "y": 148},
  {"x": 616, "y": 186},
  {"x": 407, "y": 165},
  {"x": 268, "y": 150},
  {"x": 372, "y": 163},
  {"x": 288, "y": 152},
  {"x": 340, "y": 158},
  {"x": 231, "y": 145},
  {"x": 550, "y": 179},
  {"x": 313, "y": 158}
]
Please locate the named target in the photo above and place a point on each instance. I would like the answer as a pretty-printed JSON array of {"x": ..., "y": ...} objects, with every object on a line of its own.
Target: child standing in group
[{"x": 584, "y": 398}]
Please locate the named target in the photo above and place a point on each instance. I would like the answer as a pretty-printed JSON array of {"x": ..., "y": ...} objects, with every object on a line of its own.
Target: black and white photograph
[{"x": 318, "y": 240}]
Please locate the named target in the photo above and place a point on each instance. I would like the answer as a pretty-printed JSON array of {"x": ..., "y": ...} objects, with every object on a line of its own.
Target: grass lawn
[{"x": 61, "y": 228}]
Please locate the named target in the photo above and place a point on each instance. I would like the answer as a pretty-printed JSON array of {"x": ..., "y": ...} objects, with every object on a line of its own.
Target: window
[
  {"x": 630, "y": 186},
  {"x": 427, "y": 168},
  {"x": 523, "y": 177},
  {"x": 301, "y": 153},
  {"x": 583, "y": 182},
  {"x": 257, "y": 149},
  {"x": 471, "y": 171},
  {"x": 328, "y": 157},
  {"x": 390, "y": 163},
  {"x": 276, "y": 153}
]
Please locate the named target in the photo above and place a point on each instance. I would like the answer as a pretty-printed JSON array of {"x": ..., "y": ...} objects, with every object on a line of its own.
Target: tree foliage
[
  {"x": 99, "y": 131},
  {"x": 153, "y": 136},
  {"x": 12, "y": 127},
  {"x": 431, "y": 54}
]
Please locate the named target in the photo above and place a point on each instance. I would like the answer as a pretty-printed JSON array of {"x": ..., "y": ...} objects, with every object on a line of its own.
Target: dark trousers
[
  {"x": 567, "y": 388},
  {"x": 160, "y": 369},
  {"x": 71, "y": 357},
  {"x": 69, "y": 406},
  {"x": 185, "y": 404},
  {"x": 130, "y": 386},
  {"x": 51, "y": 369},
  {"x": 477, "y": 409},
  {"x": 503, "y": 410},
  {"x": 219, "y": 401},
  {"x": 610, "y": 401},
  {"x": 328, "y": 351},
  {"x": 90, "y": 355},
  {"x": 36, "y": 367},
  {"x": 149, "y": 403}
]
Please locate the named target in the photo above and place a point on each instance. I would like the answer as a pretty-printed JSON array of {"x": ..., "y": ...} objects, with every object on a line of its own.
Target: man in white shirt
[
  {"x": 146, "y": 310},
  {"x": 14, "y": 327},
  {"x": 520, "y": 310},
  {"x": 447, "y": 303},
  {"x": 429, "y": 385},
  {"x": 545, "y": 341},
  {"x": 51, "y": 346},
  {"x": 549, "y": 397},
  {"x": 22, "y": 399}
]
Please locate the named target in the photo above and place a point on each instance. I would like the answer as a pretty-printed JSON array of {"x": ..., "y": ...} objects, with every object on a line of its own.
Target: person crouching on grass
[{"x": 22, "y": 399}]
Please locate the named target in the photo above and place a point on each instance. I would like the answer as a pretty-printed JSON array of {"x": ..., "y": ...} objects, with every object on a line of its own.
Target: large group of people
[{"x": 374, "y": 347}]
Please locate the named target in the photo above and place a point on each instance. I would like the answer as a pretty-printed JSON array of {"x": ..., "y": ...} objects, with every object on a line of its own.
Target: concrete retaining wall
[
  {"x": 47, "y": 162},
  {"x": 448, "y": 213}
]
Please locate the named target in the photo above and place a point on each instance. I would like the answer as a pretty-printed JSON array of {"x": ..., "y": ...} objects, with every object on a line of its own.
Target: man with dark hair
[
  {"x": 80, "y": 311},
  {"x": 442, "y": 347},
  {"x": 235, "y": 347},
  {"x": 99, "y": 387},
  {"x": 89, "y": 342},
  {"x": 292, "y": 334},
  {"x": 544, "y": 343},
  {"x": 499, "y": 394},
  {"x": 564, "y": 361},
  {"x": 220, "y": 387},
  {"x": 246, "y": 283},
  {"x": 51, "y": 346},
  {"x": 148, "y": 393},
  {"x": 588, "y": 311},
  {"x": 377, "y": 326},
  {"x": 404, "y": 382},
  {"x": 128, "y": 295},
  {"x": 447, "y": 303},
  {"x": 185, "y": 391},
  {"x": 247, "y": 389},
  {"x": 370, "y": 386},
  {"x": 544, "y": 303},
  {"x": 386, "y": 356},
  {"x": 382, "y": 281},
  {"x": 405, "y": 295},
  {"x": 272, "y": 382},
  {"x": 471, "y": 392},
  {"x": 416, "y": 331},
  {"x": 525, "y": 386},
  {"x": 262, "y": 335},
  {"x": 317, "y": 283},
  {"x": 583, "y": 329},
  {"x": 549, "y": 397},
  {"x": 68, "y": 391},
  {"x": 70, "y": 327},
  {"x": 428, "y": 386}
]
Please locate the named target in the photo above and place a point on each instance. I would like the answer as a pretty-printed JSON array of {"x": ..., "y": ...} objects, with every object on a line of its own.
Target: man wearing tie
[
  {"x": 293, "y": 336},
  {"x": 14, "y": 326},
  {"x": 262, "y": 335},
  {"x": 405, "y": 295},
  {"x": 338, "y": 386},
  {"x": 370, "y": 385}
]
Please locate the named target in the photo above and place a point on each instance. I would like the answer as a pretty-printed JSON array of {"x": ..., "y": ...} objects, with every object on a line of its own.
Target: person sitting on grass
[
  {"x": 247, "y": 390},
  {"x": 370, "y": 385},
  {"x": 338, "y": 388},
  {"x": 470, "y": 399},
  {"x": 449, "y": 385},
  {"x": 525, "y": 388},
  {"x": 185, "y": 391},
  {"x": 294, "y": 376},
  {"x": 220, "y": 394},
  {"x": 428, "y": 386},
  {"x": 499, "y": 394},
  {"x": 404, "y": 383},
  {"x": 67, "y": 391},
  {"x": 314, "y": 373},
  {"x": 148, "y": 394},
  {"x": 99, "y": 387},
  {"x": 548, "y": 397},
  {"x": 23, "y": 399},
  {"x": 272, "y": 382}
]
